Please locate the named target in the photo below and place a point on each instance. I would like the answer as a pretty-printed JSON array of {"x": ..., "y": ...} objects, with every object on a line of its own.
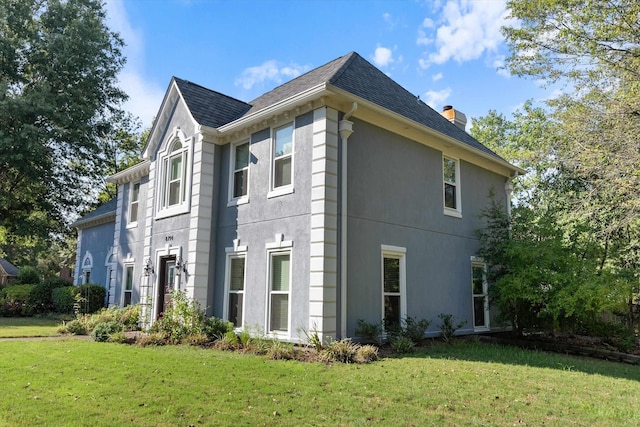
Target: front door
[{"x": 166, "y": 284}]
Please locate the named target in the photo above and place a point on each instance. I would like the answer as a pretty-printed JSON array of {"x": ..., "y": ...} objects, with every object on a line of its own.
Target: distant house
[
  {"x": 8, "y": 272},
  {"x": 335, "y": 197}
]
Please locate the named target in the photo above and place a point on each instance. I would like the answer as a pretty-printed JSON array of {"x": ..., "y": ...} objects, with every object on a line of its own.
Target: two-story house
[{"x": 334, "y": 197}]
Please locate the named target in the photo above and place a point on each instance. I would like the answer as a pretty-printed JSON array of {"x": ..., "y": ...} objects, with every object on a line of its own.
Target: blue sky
[{"x": 446, "y": 52}]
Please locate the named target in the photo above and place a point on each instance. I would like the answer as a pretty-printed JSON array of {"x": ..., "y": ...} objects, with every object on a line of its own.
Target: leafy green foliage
[
  {"x": 75, "y": 327},
  {"x": 369, "y": 332},
  {"x": 90, "y": 297},
  {"x": 60, "y": 101},
  {"x": 103, "y": 330},
  {"x": 63, "y": 299},
  {"x": 402, "y": 344},
  {"x": 215, "y": 328},
  {"x": 448, "y": 327},
  {"x": 29, "y": 276}
]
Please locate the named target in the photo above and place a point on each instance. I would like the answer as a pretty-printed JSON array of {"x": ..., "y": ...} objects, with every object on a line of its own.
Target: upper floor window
[
  {"x": 133, "y": 206},
  {"x": 174, "y": 186},
  {"x": 283, "y": 158},
  {"x": 451, "y": 181},
  {"x": 239, "y": 188}
]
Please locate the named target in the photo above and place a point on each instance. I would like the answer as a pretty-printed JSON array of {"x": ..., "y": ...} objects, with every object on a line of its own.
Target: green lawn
[
  {"x": 69, "y": 382},
  {"x": 11, "y": 327}
]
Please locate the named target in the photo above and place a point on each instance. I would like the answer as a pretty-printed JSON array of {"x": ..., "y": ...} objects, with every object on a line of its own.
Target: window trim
[
  {"x": 163, "y": 160},
  {"x": 278, "y": 247},
  {"x": 125, "y": 276},
  {"x": 240, "y": 200},
  {"x": 479, "y": 263},
  {"x": 400, "y": 253},
  {"x": 288, "y": 188},
  {"x": 234, "y": 253},
  {"x": 87, "y": 266},
  {"x": 457, "y": 211},
  {"x": 132, "y": 223}
]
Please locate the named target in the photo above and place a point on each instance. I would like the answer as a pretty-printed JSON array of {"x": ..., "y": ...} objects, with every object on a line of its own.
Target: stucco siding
[{"x": 395, "y": 197}]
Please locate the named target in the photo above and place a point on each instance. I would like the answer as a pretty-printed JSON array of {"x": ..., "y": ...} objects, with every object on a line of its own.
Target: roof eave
[
  {"x": 96, "y": 220},
  {"x": 409, "y": 122},
  {"x": 275, "y": 109},
  {"x": 132, "y": 173}
]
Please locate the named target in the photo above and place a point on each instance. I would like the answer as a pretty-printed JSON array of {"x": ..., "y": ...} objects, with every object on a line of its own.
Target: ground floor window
[
  {"x": 235, "y": 296},
  {"x": 480, "y": 295},
  {"x": 393, "y": 285},
  {"x": 279, "y": 287},
  {"x": 127, "y": 292}
]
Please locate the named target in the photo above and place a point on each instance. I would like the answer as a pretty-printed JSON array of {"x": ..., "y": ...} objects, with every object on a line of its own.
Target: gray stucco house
[{"x": 335, "y": 197}]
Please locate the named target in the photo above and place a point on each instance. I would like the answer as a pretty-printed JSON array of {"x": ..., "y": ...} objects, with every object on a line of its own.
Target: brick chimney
[{"x": 456, "y": 117}]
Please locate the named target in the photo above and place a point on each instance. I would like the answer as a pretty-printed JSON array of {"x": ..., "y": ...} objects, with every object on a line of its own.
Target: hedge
[{"x": 92, "y": 298}]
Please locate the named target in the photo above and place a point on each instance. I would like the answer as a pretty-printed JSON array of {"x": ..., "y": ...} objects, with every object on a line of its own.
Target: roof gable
[{"x": 9, "y": 269}]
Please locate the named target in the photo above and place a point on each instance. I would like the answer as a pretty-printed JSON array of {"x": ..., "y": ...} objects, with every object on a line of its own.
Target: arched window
[{"x": 174, "y": 188}]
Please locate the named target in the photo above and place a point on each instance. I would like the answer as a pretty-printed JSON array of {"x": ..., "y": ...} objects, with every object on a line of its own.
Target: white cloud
[
  {"x": 271, "y": 70},
  {"x": 498, "y": 64},
  {"x": 382, "y": 56},
  {"x": 436, "y": 77},
  {"x": 469, "y": 29},
  {"x": 436, "y": 98},
  {"x": 428, "y": 23},
  {"x": 145, "y": 96}
]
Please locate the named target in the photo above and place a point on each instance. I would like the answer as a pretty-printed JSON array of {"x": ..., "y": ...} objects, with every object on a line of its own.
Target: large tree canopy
[{"x": 59, "y": 103}]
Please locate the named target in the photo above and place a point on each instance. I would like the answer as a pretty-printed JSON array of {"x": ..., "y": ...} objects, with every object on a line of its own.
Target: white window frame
[
  {"x": 457, "y": 211},
  {"x": 87, "y": 266},
  {"x": 288, "y": 188},
  {"x": 279, "y": 247},
  {"x": 233, "y": 200},
  {"x": 479, "y": 263},
  {"x": 125, "y": 277},
  {"x": 163, "y": 209},
  {"x": 134, "y": 222},
  {"x": 399, "y": 253},
  {"x": 235, "y": 252}
]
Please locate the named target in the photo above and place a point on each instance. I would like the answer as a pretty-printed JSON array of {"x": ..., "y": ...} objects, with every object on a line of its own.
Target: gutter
[{"x": 345, "y": 128}]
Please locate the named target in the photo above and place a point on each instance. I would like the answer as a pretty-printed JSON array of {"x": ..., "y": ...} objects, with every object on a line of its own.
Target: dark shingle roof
[
  {"x": 9, "y": 268},
  {"x": 351, "y": 73},
  {"x": 105, "y": 210},
  {"x": 208, "y": 107}
]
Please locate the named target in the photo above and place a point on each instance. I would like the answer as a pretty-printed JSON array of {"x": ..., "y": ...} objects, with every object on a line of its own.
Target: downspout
[{"x": 345, "y": 127}]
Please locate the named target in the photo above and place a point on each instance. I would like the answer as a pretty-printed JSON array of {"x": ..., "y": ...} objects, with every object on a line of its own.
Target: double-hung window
[
  {"x": 393, "y": 285},
  {"x": 451, "y": 187},
  {"x": 480, "y": 295},
  {"x": 133, "y": 206},
  {"x": 174, "y": 187},
  {"x": 279, "y": 288},
  {"x": 240, "y": 156},
  {"x": 236, "y": 283},
  {"x": 282, "y": 166},
  {"x": 127, "y": 291}
]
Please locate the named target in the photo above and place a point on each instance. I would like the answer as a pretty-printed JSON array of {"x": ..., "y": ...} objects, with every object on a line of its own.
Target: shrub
[
  {"x": 41, "y": 297},
  {"x": 63, "y": 299},
  {"x": 183, "y": 317},
  {"x": 216, "y": 328},
  {"x": 245, "y": 338},
  {"x": 75, "y": 327},
  {"x": 102, "y": 331},
  {"x": 312, "y": 338},
  {"x": 368, "y": 332},
  {"x": 343, "y": 351},
  {"x": 366, "y": 353},
  {"x": 91, "y": 297},
  {"x": 18, "y": 293},
  {"x": 28, "y": 276},
  {"x": 195, "y": 339},
  {"x": 279, "y": 350},
  {"x": 228, "y": 342},
  {"x": 119, "y": 337},
  {"x": 402, "y": 345},
  {"x": 129, "y": 316},
  {"x": 415, "y": 329},
  {"x": 447, "y": 327},
  {"x": 152, "y": 339}
]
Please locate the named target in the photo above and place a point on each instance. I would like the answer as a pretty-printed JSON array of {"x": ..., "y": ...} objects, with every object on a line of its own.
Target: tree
[{"x": 58, "y": 98}]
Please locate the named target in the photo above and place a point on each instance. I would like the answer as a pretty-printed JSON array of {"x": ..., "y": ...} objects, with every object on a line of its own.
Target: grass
[
  {"x": 70, "y": 382},
  {"x": 13, "y": 327}
]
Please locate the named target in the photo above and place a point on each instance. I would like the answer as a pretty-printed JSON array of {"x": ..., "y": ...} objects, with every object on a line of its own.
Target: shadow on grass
[{"x": 472, "y": 350}]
